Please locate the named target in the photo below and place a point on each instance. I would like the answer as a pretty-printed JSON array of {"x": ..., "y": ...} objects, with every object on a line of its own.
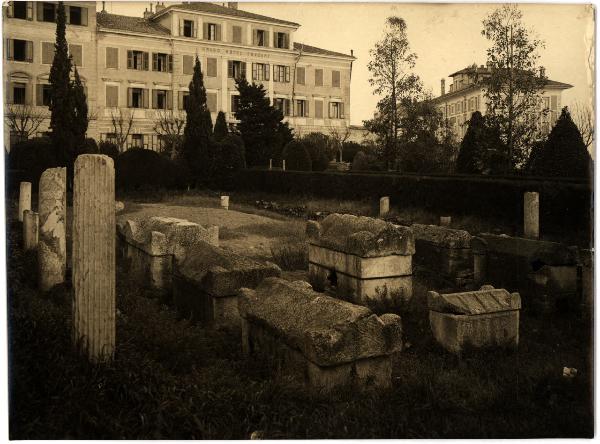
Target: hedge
[
  {"x": 564, "y": 203},
  {"x": 142, "y": 169}
]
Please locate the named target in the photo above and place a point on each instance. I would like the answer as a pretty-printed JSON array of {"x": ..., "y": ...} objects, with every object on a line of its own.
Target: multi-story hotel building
[
  {"x": 143, "y": 65},
  {"x": 467, "y": 95}
]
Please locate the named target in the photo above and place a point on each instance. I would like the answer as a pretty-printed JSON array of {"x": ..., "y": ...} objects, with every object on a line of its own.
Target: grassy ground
[{"x": 173, "y": 380}]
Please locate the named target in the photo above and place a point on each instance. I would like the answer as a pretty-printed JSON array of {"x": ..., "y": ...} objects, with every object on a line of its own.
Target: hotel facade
[{"x": 142, "y": 66}]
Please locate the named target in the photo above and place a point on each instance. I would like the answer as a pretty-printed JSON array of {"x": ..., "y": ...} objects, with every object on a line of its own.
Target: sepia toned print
[{"x": 242, "y": 220}]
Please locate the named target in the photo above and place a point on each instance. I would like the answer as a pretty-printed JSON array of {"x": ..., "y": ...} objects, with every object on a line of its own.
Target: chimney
[
  {"x": 542, "y": 72},
  {"x": 103, "y": 6},
  {"x": 443, "y": 86},
  {"x": 232, "y": 5},
  {"x": 148, "y": 14},
  {"x": 159, "y": 6},
  {"x": 352, "y": 52}
]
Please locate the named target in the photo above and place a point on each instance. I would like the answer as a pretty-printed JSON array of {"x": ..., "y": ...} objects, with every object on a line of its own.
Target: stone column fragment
[
  {"x": 52, "y": 246},
  {"x": 225, "y": 202},
  {"x": 94, "y": 256},
  {"x": 24, "y": 198},
  {"x": 445, "y": 221},
  {"x": 31, "y": 223},
  {"x": 384, "y": 205},
  {"x": 531, "y": 215}
]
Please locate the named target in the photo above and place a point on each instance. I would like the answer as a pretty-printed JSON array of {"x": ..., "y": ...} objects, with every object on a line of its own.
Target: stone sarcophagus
[
  {"x": 368, "y": 261},
  {"x": 206, "y": 284},
  {"x": 443, "y": 250},
  {"x": 323, "y": 341},
  {"x": 151, "y": 245},
  {"x": 476, "y": 319}
]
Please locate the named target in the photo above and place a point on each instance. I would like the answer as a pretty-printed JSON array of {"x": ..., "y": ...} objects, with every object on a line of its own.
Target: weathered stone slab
[
  {"x": 206, "y": 283},
  {"x": 442, "y": 236},
  {"x": 24, "y": 198},
  {"x": 363, "y": 236},
  {"x": 31, "y": 224},
  {"x": 384, "y": 205},
  {"x": 477, "y": 319},
  {"x": 531, "y": 215}
]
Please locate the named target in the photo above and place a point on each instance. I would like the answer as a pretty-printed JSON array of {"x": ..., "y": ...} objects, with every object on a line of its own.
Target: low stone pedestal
[
  {"x": 323, "y": 341},
  {"x": 368, "y": 261},
  {"x": 206, "y": 284},
  {"x": 473, "y": 320},
  {"x": 444, "y": 251}
]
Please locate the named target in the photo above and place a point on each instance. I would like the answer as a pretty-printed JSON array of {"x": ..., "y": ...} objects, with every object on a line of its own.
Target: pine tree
[
  {"x": 61, "y": 104},
  {"x": 261, "y": 125},
  {"x": 220, "y": 127},
  {"x": 198, "y": 127},
  {"x": 80, "y": 120},
  {"x": 564, "y": 153}
]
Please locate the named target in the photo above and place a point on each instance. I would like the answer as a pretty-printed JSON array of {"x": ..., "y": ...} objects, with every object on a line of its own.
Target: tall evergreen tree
[
  {"x": 261, "y": 125},
  {"x": 564, "y": 153},
  {"x": 482, "y": 148},
  {"x": 80, "y": 119},
  {"x": 220, "y": 127},
  {"x": 61, "y": 103},
  {"x": 198, "y": 127}
]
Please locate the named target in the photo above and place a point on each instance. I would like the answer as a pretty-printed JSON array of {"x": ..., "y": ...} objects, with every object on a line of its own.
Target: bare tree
[
  {"x": 122, "y": 122},
  {"x": 24, "y": 120},
  {"x": 338, "y": 136},
  {"x": 584, "y": 119},
  {"x": 169, "y": 125}
]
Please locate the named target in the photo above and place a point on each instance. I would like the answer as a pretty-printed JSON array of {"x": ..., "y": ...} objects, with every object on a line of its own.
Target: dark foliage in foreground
[{"x": 138, "y": 168}]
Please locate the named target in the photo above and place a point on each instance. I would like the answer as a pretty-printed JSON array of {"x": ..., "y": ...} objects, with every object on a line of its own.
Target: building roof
[
  {"x": 314, "y": 50},
  {"x": 131, "y": 24},
  {"x": 212, "y": 8}
]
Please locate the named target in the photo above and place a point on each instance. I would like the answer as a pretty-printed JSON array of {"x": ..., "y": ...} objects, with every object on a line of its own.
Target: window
[
  {"x": 259, "y": 37},
  {"x": 281, "y": 40},
  {"x": 318, "y": 109},
  {"x": 235, "y": 104},
  {"x": 137, "y": 98},
  {"x": 336, "y": 110},
  {"x": 162, "y": 62},
  {"x": 300, "y": 76},
  {"x": 112, "y": 96},
  {"x": 75, "y": 15},
  {"x": 211, "y": 101},
  {"x": 43, "y": 95},
  {"x": 188, "y": 29},
  {"x": 281, "y": 73},
  {"x": 20, "y": 10},
  {"x": 47, "y": 53},
  {"x": 301, "y": 108},
  {"x": 335, "y": 79},
  {"x": 46, "y": 12},
  {"x": 137, "y": 60},
  {"x": 318, "y": 77},
  {"x": 212, "y": 31},
  {"x": 137, "y": 141},
  {"x": 161, "y": 99},
  {"x": 183, "y": 98},
  {"x": 236, "y": 69},
  {"x": 211, "y": 67},
  {"x": 19, "y": 50},
  {"x": 282, "y": 105},
  {"x": 112, "y": 58},
  {"x": 236, "y": 34},
  {"x": 188, "y": 64},
  {"x": 260, "y": 71},
  {"x": 76, "y": 52},
  {"x": 19, "y": 93}
]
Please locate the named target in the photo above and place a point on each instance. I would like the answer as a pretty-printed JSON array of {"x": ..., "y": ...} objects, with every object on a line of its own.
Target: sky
[{"x": 445, "y": 36}]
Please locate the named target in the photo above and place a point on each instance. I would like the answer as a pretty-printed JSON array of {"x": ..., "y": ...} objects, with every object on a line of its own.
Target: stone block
[
  {"x": 531, "y": 215},
  {"x": 323, "y": 341},
  {"x": 225, "y": 202},
  {"x": 486, "y": 318},
  {"x": 206, "y": 283},
  {"x": 384, "y": 206}
]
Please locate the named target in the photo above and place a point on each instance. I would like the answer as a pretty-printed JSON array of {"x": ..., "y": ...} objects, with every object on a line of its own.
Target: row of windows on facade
[
  {"x": 213, "y": 32},
  {"x": 46, "y": 12},
  {"x": 23, "y": 51},
  {"x": 460, "y": 123},
  {"x": 163, "y": 99},
  {"x": 473, "y": 104}
]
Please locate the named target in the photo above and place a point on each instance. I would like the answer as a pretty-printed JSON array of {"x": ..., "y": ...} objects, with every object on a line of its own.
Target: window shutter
[
  {"x": 67, "y": 13},
  {"x": 205, "y": 31},
  {"x": 180, "y": 27},
  {"x": 76, "y": 54},
  {"x": 112, "y": 96},
  {"x": 129, "y": 59},
  {"x": 39, "y": 99},
  {"x": 341, "y": 107},
  {"x": 39, "y": 6},
  {"x": 129, "y": 97},
  {"x": 10, "y": 10},
  {"x": 306, "y": 108},
  {"x": 146, "y": 57},
  {"x": 211, "y": 102},
  {"x": 145, "y": 96},
  {"x": 169, "y": 99},
  {"x": 254, "y": 71},
  {"x": 218, "y": 37},
  {"x": 155, "y": 99},
  {"x": 300, "y": 76},
  {"x": 267, "y": 71},
  {"x": 229, "y": 69},
  {"x": 9, "y": 49},
  {"x": 154, "y": 61},
  {"x": 330, "y": 107},
  {"x": 180, "y": 99},
  {"x": 287, "y": 74},
  {"x": 194, "y": 30},
  {"x": 243, "y": 70},
  {"x": 29, "y": 51},
  {"x": 170, "y": 61},
  {"x": 84, "y": 16},
  {"x": 286, "y": 41},
  {"x": 255, "y": 37},
  {"x": 554, "y": 103},
  {"x": 47, "y": 53}
]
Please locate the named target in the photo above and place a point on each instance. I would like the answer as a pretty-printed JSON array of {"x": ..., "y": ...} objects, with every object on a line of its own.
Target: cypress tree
[
  {"x": 564, "y": 153},
  {"x": 220, "y": 127},
  {"x": 61, "y": 105},
  {"x": 198, "y": 127},
  {"x": 80, "y": 120},
  {"x": 470, "y": 158}
]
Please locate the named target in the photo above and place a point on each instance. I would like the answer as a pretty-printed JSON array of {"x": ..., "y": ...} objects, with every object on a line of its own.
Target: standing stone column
[
  {"x": 531, "y": 215},
  {"x": 30, "y": 230},
  {"x": 52, "y": 246},
  {"x": 94, "y": 256},
  {"x": 24, "y": 198},
  {"x": 445, "y": 221},
  {"x": 283, "y": 165},
  {"x": 384, "y": 205},
  {"x": 225, "y": 202},
  {"x": 270, "y": 164}
]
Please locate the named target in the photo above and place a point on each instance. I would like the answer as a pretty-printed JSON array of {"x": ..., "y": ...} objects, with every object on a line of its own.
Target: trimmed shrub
[
  {"x": 317, "y": 145},
  {"x": 89, "y": 147},
  {"x": 296, "y": 156},
  {"x": 146, "y": 169},
  {"x": 349, "y": 150},
  {"x": 109, "y": 149},
  {"x": 360, "y": 162},
  {"x": 220, "y": 130},
  {"x": 232, "y": 153},
  {"x": 31, "y": 158}
]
